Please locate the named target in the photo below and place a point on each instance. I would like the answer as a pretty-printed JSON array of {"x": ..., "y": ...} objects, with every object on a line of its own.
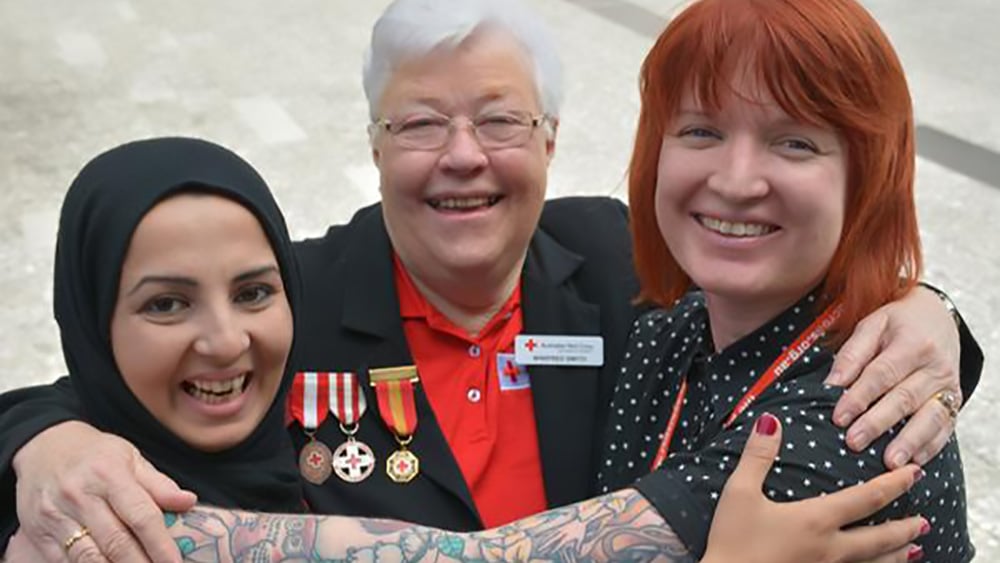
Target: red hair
[{"x": 827, "y": 63}]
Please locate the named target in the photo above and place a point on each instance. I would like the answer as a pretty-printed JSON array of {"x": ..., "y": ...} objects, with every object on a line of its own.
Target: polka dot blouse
[{"x": 665, "y": 345}]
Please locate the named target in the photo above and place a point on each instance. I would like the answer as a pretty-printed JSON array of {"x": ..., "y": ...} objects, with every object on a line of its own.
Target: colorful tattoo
[{"x": 616, "y": 527}]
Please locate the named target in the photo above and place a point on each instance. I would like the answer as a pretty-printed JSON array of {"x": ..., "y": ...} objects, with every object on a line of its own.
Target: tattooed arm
[
  {"x": 620, "y": 526},
  {"x": 613, "y": 527}
]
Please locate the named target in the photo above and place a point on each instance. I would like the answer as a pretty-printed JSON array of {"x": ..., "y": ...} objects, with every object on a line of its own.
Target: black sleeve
[
  {"x": 24, "y": 413},
  {"x": 970, "y": 363},
  {"x": 971, "y": 360}
]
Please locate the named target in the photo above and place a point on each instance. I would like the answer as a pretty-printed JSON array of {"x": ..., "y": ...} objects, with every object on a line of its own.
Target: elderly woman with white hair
[{"x": 421, "y": 299}]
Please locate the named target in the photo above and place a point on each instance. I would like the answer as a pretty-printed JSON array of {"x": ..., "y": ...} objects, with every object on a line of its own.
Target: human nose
[
  {"x": 463, "y": 153},
  {"x": 222, "y": 337},
  {"x": 739, "y": 174}
]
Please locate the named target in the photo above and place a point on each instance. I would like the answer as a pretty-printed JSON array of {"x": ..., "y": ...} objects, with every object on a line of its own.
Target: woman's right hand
[
  {"x": 72, "y": 476},
  {"x": 750, "y": 527}
]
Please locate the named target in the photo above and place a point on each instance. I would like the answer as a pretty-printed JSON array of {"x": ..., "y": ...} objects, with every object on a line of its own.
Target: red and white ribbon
[
  {"x": 347, "y": 401},
  {"x": 314, "y": 394}
]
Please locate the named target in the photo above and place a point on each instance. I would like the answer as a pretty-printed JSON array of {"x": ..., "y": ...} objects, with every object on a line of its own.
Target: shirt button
[
  {"x": 474, "y": 351},
  {"x": 473, "y": 395}
]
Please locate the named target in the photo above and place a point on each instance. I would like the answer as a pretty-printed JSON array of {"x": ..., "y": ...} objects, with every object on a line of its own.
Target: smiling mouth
[
  {"x": 735, "y": 229},
  {"x": 464, "y": 203},
  {"x": 218, "y": 392}
]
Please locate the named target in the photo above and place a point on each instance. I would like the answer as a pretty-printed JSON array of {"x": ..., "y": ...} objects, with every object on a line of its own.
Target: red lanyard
[{"x": 787, "y": 359}]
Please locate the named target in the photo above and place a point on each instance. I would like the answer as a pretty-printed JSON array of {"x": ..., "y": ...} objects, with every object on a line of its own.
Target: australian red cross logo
[{"x": 531, "y": 344}]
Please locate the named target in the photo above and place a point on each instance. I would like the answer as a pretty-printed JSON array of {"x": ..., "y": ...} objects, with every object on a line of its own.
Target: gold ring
[
  {"x": 77, "y": 536},
  {"x": 949, "y": 400}
]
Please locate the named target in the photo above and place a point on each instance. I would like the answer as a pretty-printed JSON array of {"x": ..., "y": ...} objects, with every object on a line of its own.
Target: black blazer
[{"x": 577, "y": 279}]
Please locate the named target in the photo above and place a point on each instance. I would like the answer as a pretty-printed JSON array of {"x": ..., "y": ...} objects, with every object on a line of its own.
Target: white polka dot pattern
[{"x": 814, "y": 460}]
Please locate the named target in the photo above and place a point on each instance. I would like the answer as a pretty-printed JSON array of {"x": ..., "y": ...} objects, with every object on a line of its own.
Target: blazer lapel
[
  {"x": 565, "y": 398},
  {"x": 371, "y": 307}
]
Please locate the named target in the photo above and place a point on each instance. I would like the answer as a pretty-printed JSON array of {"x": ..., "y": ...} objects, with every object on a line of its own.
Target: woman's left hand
[{"x": 904, "y": 358}]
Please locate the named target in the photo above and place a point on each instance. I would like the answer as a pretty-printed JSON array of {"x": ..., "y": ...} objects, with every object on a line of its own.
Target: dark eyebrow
[
  {"x": 170, "y": 280},
  {"x": 189, "y": 282},
  {"x": 256, "y": 273}
]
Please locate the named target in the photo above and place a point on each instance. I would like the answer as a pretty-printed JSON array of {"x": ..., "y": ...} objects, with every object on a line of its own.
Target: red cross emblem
[
  {"x": 353, "y": 461},
  {"x": 315, "y": 460},
  {"x": 531, "y": 344},
  {"x": 511, "y": 371},
  {"x": 403, "y": 466}
]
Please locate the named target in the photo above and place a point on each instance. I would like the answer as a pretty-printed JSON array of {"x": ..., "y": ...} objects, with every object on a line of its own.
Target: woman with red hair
[{"x": 773, "y": 170}]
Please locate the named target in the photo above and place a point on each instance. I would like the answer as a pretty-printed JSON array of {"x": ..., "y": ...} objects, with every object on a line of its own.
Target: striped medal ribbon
[
  {"x": 308, "y": 404},
  {"x": 353, "y": 461}
]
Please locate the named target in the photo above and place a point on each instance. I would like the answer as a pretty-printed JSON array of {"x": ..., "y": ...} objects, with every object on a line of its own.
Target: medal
[
  {"x": 314, "y": 394},
  {"x": 315, "y": 462},
  {"x": 394, "y": 388},
  {"x": 308, "y": 404},
  {"x": 353, "y": 461},
  {"x": 402, "y": 466}
]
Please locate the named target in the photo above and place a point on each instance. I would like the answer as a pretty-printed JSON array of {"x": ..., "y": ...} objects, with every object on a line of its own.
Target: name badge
[{"x": 558, "y": 350}]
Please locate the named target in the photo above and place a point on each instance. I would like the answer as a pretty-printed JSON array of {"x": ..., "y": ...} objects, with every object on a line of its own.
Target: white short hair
[{"x": 413, "y": 28}]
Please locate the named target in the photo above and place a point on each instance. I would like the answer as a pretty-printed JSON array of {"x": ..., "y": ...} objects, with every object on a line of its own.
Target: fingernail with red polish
[
  {"x": 767, "y": 424},
  {"x": 916, "y": 553},
  {"x": 925, "y": 528}
]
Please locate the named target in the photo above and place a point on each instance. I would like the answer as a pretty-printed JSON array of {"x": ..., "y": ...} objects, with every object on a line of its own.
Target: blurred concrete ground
[{"x": 280, "y": 83}]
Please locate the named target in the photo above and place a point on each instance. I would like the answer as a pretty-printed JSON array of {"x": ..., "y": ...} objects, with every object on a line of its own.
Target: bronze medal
[
  {"x": 315, "y": 462},
  {"x": 402, "y": 466},
  {"x": 353, "y": 461}
]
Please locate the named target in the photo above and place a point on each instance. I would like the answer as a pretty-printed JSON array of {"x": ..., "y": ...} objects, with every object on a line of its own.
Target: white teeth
[
  {"x": 735, "y": 229},
  {"x": 213, "y": 392},
  {"x": 464, "y": 203}
]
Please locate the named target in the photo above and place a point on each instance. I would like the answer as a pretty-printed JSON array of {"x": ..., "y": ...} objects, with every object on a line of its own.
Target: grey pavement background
[{"x": 280, "y": 83}]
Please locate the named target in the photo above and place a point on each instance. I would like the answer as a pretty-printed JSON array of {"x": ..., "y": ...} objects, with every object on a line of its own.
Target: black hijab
[{"x": 101, "y": 211}]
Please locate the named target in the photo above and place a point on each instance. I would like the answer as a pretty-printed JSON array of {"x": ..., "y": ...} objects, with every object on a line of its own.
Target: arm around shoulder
[{"x": 29, "y": 411}]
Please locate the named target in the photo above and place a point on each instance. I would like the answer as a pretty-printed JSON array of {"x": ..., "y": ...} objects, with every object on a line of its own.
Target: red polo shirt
[{"x": 490, "y": 427}]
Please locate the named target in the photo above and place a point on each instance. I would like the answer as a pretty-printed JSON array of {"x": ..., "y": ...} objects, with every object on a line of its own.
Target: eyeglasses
[{"x": 429, "y": 132}]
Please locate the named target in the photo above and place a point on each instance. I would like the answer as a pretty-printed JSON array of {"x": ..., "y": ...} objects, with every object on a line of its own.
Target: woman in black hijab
[{"x": 101, "y": 212}]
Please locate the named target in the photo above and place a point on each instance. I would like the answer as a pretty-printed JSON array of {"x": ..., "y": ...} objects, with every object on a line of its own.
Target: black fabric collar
[
  {"x": 371, "y": 304},
  {"x": 101, "y": 210}
]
